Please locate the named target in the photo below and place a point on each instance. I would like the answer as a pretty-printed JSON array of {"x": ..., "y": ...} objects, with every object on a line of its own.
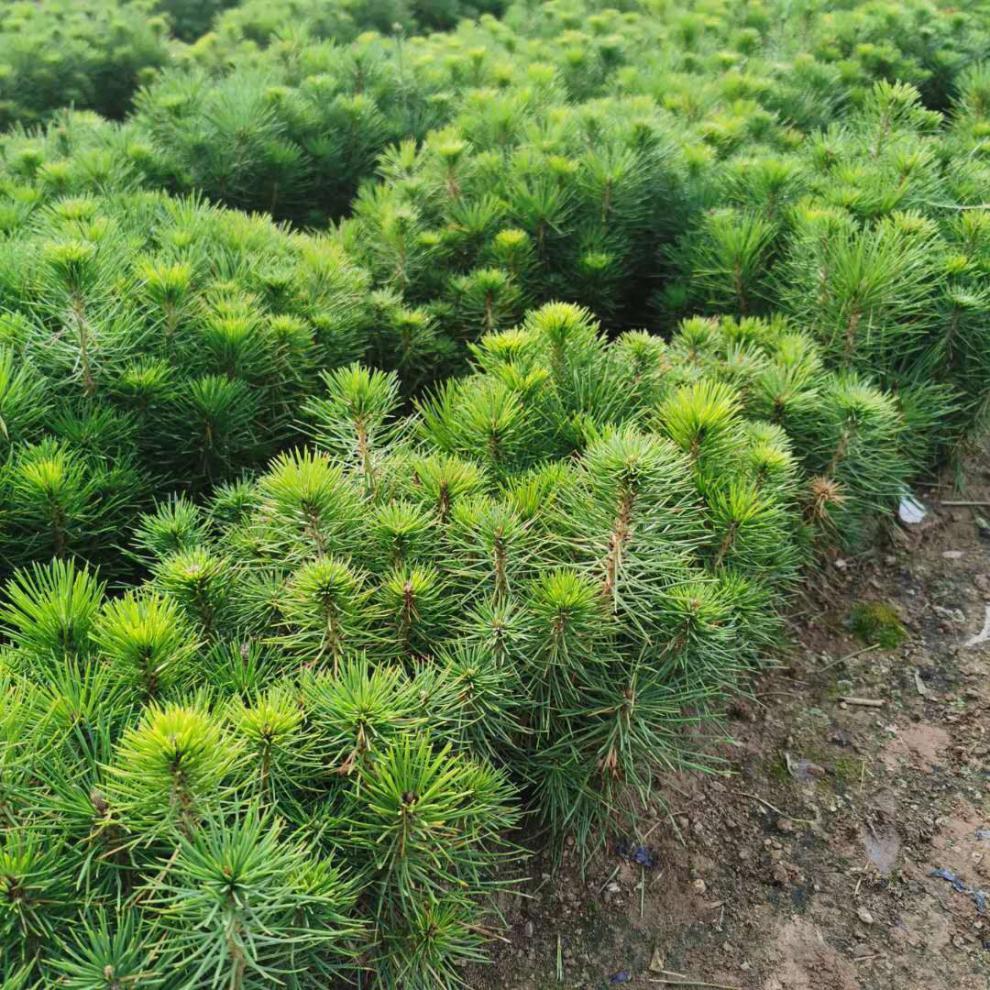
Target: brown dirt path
[{"x": 809, "y": 867}]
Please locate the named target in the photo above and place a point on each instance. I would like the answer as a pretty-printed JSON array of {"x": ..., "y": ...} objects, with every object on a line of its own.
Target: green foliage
[
  {"x": 180, "y": 341},
  {"x": 91, "y": 54},
  {"x": 262, "y": 22},
  {"x": 554, "y": 155},
  {"x": 538, "y": 585},
  {"x": 478, "y": 222},
  {"x": 242, "y": 903},
  {"x": 147, "y": 641},
  {"x": 189, "y": 19},
  {"x": 49, "y": 611},
  {"x": 104, "y": 951},
  {"x": 271, "y": 710}
]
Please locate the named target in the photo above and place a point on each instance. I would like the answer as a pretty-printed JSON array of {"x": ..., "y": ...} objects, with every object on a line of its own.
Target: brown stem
[
  {"x": 852, "y": 325},
  {"x": 266, "y": 766},
  {"x": 312, "y": 528},
  {"x": 333, "y": 639},
  {"x": 364, "y": 451},
  {"x": 621, "y": 530},
  {"x": 501, "y": 577},
  {"x": 841, "y": 448},
  {"x": 239, "y": 964},
  {"x": 727, "y": 541},
  {"x": 82, "y": 332},
  {"x": 180, "y": 797},
  {"x": 407, "y": 616},
  {"x": 494, "y": 451},
  {"x": 453, "y": 188},
  {"x": 171, "y": 322}
]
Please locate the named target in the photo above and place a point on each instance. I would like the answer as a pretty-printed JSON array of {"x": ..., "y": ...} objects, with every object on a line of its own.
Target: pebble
[
  {"x": 864, "y": 916},
  {"x": 699, "y": 886}
]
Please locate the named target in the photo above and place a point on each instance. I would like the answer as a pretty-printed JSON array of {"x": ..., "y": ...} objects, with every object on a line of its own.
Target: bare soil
[{"x": 809, "y": 864}]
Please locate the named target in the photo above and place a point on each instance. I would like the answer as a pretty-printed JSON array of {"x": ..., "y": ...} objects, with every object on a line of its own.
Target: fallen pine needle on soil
[{"x": 695, "y": 983}]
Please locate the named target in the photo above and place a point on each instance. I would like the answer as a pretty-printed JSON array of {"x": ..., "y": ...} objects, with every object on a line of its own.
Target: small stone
[
  {"x": 805, "y": 770},
  {"x": 699, "y": 886},
  {"x": 864, "y": 915}
]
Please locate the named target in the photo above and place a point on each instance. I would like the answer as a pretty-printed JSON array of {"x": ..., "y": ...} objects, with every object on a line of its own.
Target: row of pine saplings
[
  {"x": 299, "y": 751},
  {"x": 152, "y": 343}
]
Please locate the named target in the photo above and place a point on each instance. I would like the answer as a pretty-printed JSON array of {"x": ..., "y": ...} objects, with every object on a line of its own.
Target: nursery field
[{"x": 428, "y": 431}]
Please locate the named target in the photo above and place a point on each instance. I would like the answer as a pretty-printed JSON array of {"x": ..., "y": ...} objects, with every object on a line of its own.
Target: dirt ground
[{"x": 809, "y": 866}]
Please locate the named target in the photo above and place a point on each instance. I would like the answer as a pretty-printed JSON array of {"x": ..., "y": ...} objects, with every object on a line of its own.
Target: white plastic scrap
[
  {"x": 984, "y": 634},
  {"x": 910, "y": 510}
]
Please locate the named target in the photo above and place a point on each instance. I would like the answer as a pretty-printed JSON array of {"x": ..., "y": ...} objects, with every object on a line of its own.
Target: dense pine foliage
[
  {"x": 81, "y": 53},
  {"x": 410, "y": 441}
]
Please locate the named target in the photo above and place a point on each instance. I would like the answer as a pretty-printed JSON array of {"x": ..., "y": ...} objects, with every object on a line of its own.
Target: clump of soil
[{"x": 847, "y": 845}]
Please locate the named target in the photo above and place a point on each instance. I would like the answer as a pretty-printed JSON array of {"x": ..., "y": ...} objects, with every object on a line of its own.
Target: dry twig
[{"x": 863, "y": 702}]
